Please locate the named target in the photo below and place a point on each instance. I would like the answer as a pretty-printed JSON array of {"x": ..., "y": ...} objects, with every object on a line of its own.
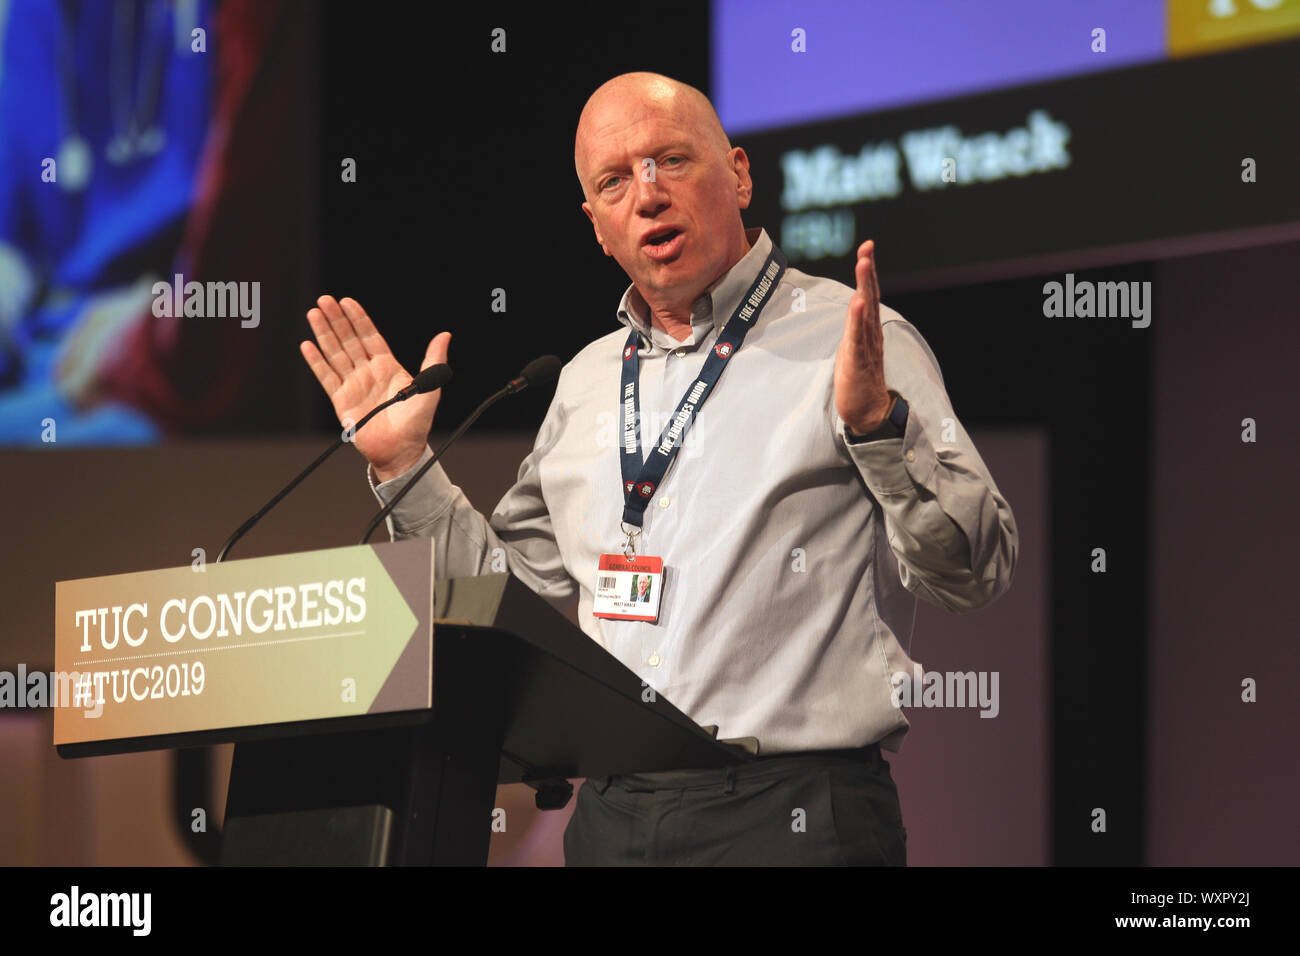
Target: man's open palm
[
  {"x": 357, "y": 369},
  {"x": 861, "y": 396}
]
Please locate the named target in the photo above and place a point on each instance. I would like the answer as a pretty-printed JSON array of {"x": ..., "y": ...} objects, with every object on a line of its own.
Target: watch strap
[{"x": 894, "y": 425}]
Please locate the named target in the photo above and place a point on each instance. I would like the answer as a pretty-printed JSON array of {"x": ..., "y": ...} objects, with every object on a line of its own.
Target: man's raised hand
[
  {"x": 357, "y": 369},
  {"x": 861, "y": 396}
]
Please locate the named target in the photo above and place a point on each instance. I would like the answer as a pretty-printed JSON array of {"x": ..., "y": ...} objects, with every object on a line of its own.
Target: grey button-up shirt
[{"x": 794, "y": 558}]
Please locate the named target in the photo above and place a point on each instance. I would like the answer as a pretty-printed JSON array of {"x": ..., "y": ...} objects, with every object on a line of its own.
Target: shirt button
[
  {"x": 653, "y": 660},
  {"x": 911, "y": 455},
  {"x": 680, "y": 352},
  {"x": 665, "y": 502}
]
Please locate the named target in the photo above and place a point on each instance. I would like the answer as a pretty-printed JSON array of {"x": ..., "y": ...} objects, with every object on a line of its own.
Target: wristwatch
[{"x": 894, "y": 425}]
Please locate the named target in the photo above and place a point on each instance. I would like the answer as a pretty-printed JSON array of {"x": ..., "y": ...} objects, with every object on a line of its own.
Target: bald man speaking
[{"x": 775, "y": 452}]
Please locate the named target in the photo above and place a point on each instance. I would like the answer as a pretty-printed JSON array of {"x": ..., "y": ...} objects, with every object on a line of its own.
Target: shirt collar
[{"x": 715, "y": 305}]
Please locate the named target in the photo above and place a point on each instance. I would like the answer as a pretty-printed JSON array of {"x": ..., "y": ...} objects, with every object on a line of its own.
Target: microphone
[
  {"x": 540, "y": 371},
  {"x": 428, "y": 380}
]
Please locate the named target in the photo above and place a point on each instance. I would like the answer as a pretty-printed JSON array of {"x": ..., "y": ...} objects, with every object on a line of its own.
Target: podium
[{"x": 506, "y": 690}]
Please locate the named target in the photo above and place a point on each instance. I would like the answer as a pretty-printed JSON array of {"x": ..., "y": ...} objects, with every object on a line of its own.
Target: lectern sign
[{"x": 295, "y": 637}]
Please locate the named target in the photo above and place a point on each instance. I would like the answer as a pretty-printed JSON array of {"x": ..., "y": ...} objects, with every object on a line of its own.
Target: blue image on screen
[
  {"x": 104, "y": 111},
  {"x": 859, "y": 56}
]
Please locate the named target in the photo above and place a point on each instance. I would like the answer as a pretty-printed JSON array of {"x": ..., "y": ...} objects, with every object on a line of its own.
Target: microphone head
[
  {"x": 541, "y": 371},
  {"x": 432, "y": 378}
]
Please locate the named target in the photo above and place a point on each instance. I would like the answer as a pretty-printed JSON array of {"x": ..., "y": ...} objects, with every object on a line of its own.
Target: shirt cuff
[
  {"x": 422, "y": 505},
  {"x": 893, "y": 466}
]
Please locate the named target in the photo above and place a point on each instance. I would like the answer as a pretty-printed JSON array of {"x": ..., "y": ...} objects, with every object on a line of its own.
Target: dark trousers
[{"x": 827, "y": 808}]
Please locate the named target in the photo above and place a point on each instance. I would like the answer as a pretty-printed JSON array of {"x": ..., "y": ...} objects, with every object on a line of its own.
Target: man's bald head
[
  {"x": 639, "y": 94},
  {"x": 663, "y": 188}
]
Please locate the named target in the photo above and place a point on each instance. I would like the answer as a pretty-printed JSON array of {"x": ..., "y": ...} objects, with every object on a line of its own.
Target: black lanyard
[{"x": 641, "y": 478}]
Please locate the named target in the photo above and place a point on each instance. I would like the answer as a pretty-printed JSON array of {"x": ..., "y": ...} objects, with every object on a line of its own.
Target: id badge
[{"x": 628, "y": 589}]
